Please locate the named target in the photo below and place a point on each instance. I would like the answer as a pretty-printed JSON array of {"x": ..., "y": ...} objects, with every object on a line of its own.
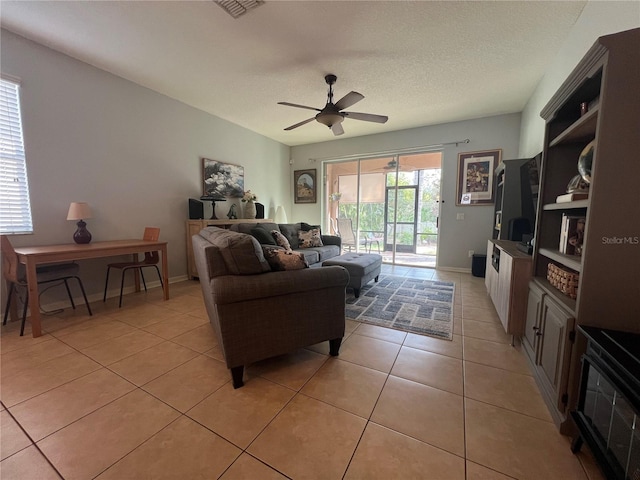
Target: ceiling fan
[{"x": 332, "y": 114}]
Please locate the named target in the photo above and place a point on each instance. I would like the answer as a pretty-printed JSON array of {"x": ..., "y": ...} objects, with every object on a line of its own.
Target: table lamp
[
  {"x": 281, "y": 215},
  {"x": 78, "y": 211},
  {"x": 213, "y": 200}
]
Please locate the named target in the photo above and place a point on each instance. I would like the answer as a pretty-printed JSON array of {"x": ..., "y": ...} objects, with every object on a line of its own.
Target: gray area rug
[{"x": 412, "y": 305}]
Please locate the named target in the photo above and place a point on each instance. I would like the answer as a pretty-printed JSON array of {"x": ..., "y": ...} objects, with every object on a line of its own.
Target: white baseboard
[
  {"x": 454, "y": 269},
  {"x": 97, "y": 297}
]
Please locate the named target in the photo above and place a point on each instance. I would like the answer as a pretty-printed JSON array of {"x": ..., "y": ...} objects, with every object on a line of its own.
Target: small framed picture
[
  {"x": 475, "y": 177},
  {"x": 305, "y": 186}
]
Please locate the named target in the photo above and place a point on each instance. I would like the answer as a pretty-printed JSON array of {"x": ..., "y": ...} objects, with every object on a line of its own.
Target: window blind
[{"x": 15, "y": 208}]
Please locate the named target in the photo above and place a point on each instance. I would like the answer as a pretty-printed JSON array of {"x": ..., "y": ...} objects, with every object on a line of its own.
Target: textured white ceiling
[{"x": 420, "y": 63}]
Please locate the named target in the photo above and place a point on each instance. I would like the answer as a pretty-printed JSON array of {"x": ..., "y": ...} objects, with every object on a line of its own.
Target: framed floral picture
[
  {"x": 222, "y": 179},
  {"x": 475, "y": 177},
  {"x": 305, "y": 186}
]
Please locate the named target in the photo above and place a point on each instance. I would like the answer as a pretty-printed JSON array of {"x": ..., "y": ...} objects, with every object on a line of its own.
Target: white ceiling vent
[{"x": 237, "y": 8}]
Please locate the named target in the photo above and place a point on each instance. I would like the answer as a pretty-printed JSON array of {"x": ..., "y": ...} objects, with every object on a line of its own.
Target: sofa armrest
[
  {"x": 240, "y": 288},
  {"x": 331, "y": 240}
]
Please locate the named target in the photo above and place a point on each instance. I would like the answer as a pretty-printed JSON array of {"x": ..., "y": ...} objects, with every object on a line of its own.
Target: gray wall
[
  {"x": 131, "y": 153},
  {"x": 597, "y": 19},
  {"x": 456, "y": 237}
]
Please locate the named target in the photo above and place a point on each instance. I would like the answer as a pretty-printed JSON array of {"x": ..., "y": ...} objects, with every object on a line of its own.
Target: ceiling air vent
[{"x": 237, "y": 8}]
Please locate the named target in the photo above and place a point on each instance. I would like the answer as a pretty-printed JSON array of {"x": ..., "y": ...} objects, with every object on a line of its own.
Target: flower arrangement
[
  {"x": 334, "y": 197},
  {"x": 249, "y": 197}
]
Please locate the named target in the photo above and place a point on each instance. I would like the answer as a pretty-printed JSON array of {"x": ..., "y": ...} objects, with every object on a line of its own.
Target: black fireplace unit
[{"x": 608, "y": 413}]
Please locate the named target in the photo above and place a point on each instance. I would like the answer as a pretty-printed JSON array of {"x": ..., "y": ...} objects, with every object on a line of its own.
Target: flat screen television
[{"x": 529, "y": 187}]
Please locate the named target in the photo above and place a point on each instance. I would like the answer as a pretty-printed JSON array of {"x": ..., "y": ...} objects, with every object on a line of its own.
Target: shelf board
[
  {"x": 567, "y": 205},
  {"x": 570, "y": 261},
  {"x": 581, "y": 129},
  {"x": 568, "y": 302}
]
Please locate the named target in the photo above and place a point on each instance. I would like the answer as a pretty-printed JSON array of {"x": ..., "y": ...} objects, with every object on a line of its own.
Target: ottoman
[{"x": 362, "y": 268}]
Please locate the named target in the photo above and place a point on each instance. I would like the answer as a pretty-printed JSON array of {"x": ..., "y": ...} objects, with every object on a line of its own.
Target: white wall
[
  {"x": 134, "y": 155},
  {"x": 457, "y": 237},
  {"x": 597, "y": 19}
]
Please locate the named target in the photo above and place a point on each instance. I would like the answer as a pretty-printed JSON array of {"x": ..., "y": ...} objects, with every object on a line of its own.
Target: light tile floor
[{"x": 142, "y": 392}]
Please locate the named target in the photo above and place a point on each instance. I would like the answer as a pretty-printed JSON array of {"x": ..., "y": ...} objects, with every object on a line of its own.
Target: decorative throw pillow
[
  {"x": 280, "y": 260},
  {"x": 264, "y": 237},
  {"x": 281, "y": 240},
  {"x": 310, "y": 238}
]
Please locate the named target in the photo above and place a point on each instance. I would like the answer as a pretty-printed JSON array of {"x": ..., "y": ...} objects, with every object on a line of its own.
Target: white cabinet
[{"x": 507, "y": 277}]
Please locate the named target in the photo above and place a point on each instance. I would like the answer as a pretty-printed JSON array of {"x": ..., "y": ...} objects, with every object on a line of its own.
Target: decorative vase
[{"x": 250, "y": 210}]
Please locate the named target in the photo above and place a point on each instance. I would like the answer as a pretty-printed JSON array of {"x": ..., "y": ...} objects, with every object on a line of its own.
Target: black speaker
[
  {"x": 196, "y": 209},
  {"x": 259, "y": 210}
]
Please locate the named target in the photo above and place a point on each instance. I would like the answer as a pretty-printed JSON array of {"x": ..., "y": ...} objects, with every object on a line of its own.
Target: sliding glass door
[{"x": 387, "y": 205}]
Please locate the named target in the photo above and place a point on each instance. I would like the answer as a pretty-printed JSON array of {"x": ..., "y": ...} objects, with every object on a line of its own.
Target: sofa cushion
[
  {"x": 325, "y": 252},
  {"x": 263, "y": 236},
  {"x": 306, "y": 227},
  {"x": 242, "y": 254},
  {"x": 281, "y": 240},
  {"x": 290, "y": 230},
  {"x": 310, "y": 255},
  {"x": 246, "y": 227},
  {"x": 309, "y": 238},
  {"x": 281, "y": 260}
]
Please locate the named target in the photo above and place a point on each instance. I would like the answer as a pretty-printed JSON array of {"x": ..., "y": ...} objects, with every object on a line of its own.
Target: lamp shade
[
  {"x": 281, "y": 215},
  {"x": 78, "y": 211}
]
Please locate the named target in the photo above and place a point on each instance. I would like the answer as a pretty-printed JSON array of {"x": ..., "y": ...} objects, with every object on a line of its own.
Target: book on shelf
[
  {"x": 571, "y": 197},
  {"x": 571, "y": 234}
]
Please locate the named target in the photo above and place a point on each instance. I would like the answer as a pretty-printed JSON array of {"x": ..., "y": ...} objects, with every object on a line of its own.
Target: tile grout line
[
  {"x": 368, "y": 420},
  {"x": 33, "y": 443}
]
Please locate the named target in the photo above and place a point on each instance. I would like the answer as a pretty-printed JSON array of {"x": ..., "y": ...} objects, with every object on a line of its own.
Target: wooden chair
[
  {"x": 15, "y": 275},
  {"x": 151, "y": 259}
]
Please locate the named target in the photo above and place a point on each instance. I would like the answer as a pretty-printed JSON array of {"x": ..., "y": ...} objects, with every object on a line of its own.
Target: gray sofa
[
  {"x": 313, "y": 255},
  {"x": 257, "y": 313}
]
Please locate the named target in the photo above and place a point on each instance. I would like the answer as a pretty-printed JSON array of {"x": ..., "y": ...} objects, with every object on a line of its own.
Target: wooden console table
[
  {"x": 33, "y": 256},
  {"x": 194, "y": 227}
]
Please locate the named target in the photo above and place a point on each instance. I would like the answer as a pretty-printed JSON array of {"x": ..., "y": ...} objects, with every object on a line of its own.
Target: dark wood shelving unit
[{"x": 609, "y": 267}]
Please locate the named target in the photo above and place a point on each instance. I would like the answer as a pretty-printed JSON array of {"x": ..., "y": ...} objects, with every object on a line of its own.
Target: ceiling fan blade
[
  {"x": 349, "y": 99},
  {"x": 299, "y": 106},
  {"x": 337, "y": 129},
  {"x": 367, "y": 117},
  {"x": 301, "y": 123}
]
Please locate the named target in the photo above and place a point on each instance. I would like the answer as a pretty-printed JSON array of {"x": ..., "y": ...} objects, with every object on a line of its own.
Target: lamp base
[
  {"x": 82, "y": 235},
  {"x": 213, "y": 210}
]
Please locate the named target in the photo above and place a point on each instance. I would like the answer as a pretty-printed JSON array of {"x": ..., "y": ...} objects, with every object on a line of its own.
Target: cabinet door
[
  {"x": 488, "y": 276},
  {"x": 504, "y": 290},
  {"x": 555, "y": 349},
  {"x": 491, "y": 279},
  {"x": 532, "y": 324}
]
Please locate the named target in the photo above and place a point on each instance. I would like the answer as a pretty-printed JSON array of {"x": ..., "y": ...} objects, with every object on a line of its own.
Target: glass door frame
[
  {"x": 331, "y": 207},
  {"x": 394, "y": 247}
]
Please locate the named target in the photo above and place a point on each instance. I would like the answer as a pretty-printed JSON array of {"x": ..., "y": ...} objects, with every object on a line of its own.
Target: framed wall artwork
[
  {"x": 305, "y": 186},
  {"x": 222, "y": 179},
  {"x": 475, "y": 177}
]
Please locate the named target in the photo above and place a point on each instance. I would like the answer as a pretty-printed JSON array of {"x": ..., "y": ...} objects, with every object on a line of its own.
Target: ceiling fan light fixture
[
  {"x": 237, "y": 8},
  {"x": 329, "y": 119}
]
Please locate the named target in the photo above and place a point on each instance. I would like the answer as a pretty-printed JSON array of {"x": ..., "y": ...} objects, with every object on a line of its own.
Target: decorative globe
[{"x": 585, "y": 160}]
